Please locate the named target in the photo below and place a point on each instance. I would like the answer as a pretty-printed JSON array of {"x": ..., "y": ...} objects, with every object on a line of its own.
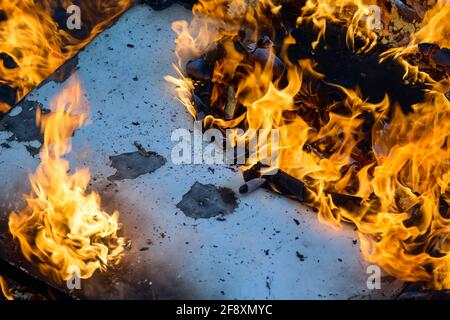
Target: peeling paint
[
  {"x": 131, "y": 165},
  {"x": 204, "y": 201}
]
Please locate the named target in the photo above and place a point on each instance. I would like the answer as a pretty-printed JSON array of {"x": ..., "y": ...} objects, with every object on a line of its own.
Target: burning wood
[
  {"x": 363, "y": 123},
  {"x": 252, "y": 185},
  {"x": 63, "y": 229}
]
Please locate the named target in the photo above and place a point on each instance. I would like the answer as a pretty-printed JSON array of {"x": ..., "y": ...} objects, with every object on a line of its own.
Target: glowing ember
[
  {"x": 63, "y": 229},
  {"x": 396, "y": 189},
  {"x": 35, "y": 46}
]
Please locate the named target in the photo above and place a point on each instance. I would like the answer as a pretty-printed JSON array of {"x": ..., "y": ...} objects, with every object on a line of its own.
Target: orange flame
[
  {"x": 63, "y": 229},
  {"x": 32, "y": 38},
  {"x": 5, "y": 290},
  {"x": 399, "y": 198},
  {"x": 435, "y": 29}
]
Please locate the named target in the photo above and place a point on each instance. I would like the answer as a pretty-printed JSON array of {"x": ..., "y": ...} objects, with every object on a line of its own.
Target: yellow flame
[
  {"x": 5, "y": 290},
  {"x": 350, "y": 12},
  {"x": 398, "y": 197},
  {"x": 435, "y": 28},
  {"x": 63, "y": 228},
  {"x": 32, "y": 38}
]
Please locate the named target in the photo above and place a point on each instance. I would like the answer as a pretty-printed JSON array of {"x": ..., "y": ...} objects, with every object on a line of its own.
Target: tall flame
[
  {"x": 37, "y": 46},
  {"x": 398, "y": 196},
  {"x": 63, "y": 228}
]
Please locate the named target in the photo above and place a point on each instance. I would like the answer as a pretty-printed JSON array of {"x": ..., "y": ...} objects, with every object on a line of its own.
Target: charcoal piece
[
  {"x": 428, "y": 49},
  {"x": 253, "y": 172},
  {"x": 346, "y": 201},
  {"x": 447, "y": 95},
  {"x": 207, "y": 201},
  {"x": 8, "y": 94},
  {"x": 288, "y": 185},
  {"x": 442, "y": 57},
  {"x": 8, "y": 61},
  {"x": 252, "y": 185},
  {"x": 278, "y": 181},
  {"x": 199, "y": 69}
]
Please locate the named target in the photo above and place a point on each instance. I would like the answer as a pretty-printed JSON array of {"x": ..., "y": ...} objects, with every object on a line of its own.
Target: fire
[
  {"x": 397, "y": 193},
  {"x": 63, "y": 228},
  {"x": 435, "y": 29},
  {"x": 36, "y": 46},
  {"x": 5, "y": 290}
]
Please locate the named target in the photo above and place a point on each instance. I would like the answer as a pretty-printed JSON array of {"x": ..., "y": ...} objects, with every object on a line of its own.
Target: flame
[
  {"x": 350, "y": 12},
  {"x": 30, "y": 36},
  {"x": 434, "y": 29},
  {"x": 63, "y": 228},
  {"x": 397, "y": 195},
  {"x": 5, "y": 290}
]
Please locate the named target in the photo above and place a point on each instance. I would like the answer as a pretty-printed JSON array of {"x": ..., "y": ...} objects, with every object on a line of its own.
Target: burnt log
[
  {"x": 252, "y": 185},
  {"x": 280, "y": 182}
]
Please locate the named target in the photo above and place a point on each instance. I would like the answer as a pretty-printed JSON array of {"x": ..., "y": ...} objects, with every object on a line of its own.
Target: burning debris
[
  {"x": 362, "y": 114},
  {"x": 359, "y": 97},
  {"x": 35, "y": 39},
  {"x": 63, "y": 229}
]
